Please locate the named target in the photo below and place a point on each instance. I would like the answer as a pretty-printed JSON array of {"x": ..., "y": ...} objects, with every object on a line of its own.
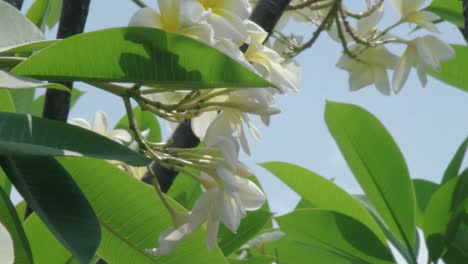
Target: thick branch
[
  {"x": 266, "y": 14},
  {"x": 464, "y": 30},
  {"x": 15, "y": 3}
]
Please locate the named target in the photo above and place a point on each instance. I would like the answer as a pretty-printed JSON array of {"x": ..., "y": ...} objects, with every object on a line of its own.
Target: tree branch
[
  {"x": 16, "y": 3},
  {"x": 72, "y": 21},
  {"x": 266, "y": 14},
  {"x": 464, "y": 30}
]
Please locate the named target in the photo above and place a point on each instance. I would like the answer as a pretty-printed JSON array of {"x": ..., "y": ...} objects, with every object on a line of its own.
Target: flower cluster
[
  {"x": 366, "y": 57},
  {"x": 219, "y": 117}
]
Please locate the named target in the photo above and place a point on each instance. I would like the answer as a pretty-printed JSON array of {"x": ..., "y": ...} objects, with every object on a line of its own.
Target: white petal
[
  {"x": 231, "y": 213},
  {"x": 100, "y": 122},
  {"x": 212, "y": 227},
  {"x": 80, "y": 122},
  {"x": 359, "y": 78},
  {"x": 146, "y": 17},
  {"x": 440, "y": 49},
  {"x": 168, "y": 241},
  {"x": 381, "y": 80},
  {"x": 257, "y": 33},
  {"x": 7, "y": 254},
  {"x": 230, "y": 183},
  {"x": 171, "y": 126},
  {"x": 406, "y": 6},
  {"x": 368, "y": 24},
  {"x": 251, "y": 196},
  {"x": 229, "y": 148},
  {"x": 227, "y": 25},
  {"x": 243, "y": 141},
  {"x": 225, "y": 124},
  {"x": 170, "y": 13},
  {"x": 422, "y": 74},
  {"x": 201, "y": 123},
  {"x": 238, "y": 7},
  {"x": 121, "y": 135},
  {"x": 402, "y": 69}
]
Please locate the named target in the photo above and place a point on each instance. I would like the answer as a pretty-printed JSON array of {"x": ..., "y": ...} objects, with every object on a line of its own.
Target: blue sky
[{"x": 428, "y": 123}]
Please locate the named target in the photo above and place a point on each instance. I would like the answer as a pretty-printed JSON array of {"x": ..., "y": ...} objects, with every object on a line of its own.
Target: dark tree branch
[
  {"x": 72, "y": 21},
  {"x": 266, "y": 14},
  {"x": 16, "y": 3},
  {"x": 464, "y": 30}
]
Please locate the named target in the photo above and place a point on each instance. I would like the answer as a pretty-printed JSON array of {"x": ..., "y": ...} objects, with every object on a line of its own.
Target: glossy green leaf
[
  {"x": 38, "y": 103},
  {"x": 185, "y": 190},
  {"x": 22, "y": 99},
  {"x": 132, "y": 216},
  {"x": 442, "y": 215},
  {"x": 378, "y": 165},
  {"x": 11, "y": 81},
  {"x": 336, "y": 233},
  {"x": 6, "y": 102},
  {"x": 28, "y": 47},
  {"x": 457, "y": 250},
  {"x": 140, "y": 55},
  {"x": 249, "y": 227},
  {"x": 45, "y": 137},
  {"x": 450, "y": 70},
  {"x": 448, "y": 10},
  {"x": 5, "y": 183},
  {"x": 45, "y": 13},
  {"x": 145, "y": 120},
  {"x": 10, "y": 220},
  {"x": 454, "y": 166},
  {"x": 424, "y": 190},
  {"x": 322, "y": 193},
  {"x": 54, "y": 196},
  {"x": 23, "y": 31},
  {"x": 253, "y": 260}
]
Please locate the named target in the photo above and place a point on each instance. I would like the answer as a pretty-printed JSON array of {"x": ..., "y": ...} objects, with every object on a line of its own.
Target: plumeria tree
[{"x": 206, "y": 69}]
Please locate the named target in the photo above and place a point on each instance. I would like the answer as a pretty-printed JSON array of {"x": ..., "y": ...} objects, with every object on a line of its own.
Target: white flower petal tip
[{"x": 7, "y": 254}]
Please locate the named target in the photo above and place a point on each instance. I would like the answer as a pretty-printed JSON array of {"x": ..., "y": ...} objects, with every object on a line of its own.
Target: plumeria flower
[
  {"x": 226, "y": 199},
  {"x": 409, "y": 11},
  {"x": 99, "y": 125},
  {"x": 427, "y": 51},
  {"x": 226, "y": 16},
  {"x": 370, "y": 67},
  {"x": 175, "y": 17},
  {"x": 7, "y": 254}
]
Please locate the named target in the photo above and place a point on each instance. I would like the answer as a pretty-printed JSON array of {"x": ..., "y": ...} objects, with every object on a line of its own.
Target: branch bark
[
  {"x": 266, "y": 14},
  {"x": 464, "y": 30},
  {"x": 16, "y": 3},
  {"x": 57, "y": 103}
]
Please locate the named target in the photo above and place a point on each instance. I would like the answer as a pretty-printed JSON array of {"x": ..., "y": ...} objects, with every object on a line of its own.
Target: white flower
[
  {"x": 7, "y": 254},
  {"x": 370, "y": 67},
  {"x": 428, "y": 51},
  {"x": 100, "y": 126},
  {"x": 226, "y": 16},
  {"x": 225, "y": 199},
  {"x": 173, "y": 17},
  {"x": 409, "y": 11}
]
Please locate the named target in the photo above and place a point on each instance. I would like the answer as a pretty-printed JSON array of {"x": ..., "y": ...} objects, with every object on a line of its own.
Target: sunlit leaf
[
  {"x": 424, "y": 190},
  {"x": 140, "y": 55},
  {"x": 454, "y": 166},
  {"x": 448, "y": 10},
  {"x": 145, "y": 120},
  {"x": 450, "y": 70},
  {"x": 378, "y": 165}
]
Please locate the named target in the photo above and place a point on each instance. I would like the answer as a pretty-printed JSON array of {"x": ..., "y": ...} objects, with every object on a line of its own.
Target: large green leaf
[
  {"x": 322, "y": 193},
  {"x": 28, "y": 135},
  {"x": 454, "y": 166},
  {"x": 457, "y": 250},
  {"x": 9, "y": 218},
  {"x": 145, "y": 120},
  {"x": 23, "y": 31},
  {"x": 38, "y": 103},
  {"x": 378, "y": 165},
  {"x": 54, "y": 196},
  {"x": 140, "y": 55},
  {"x": 28, "y": 47},
  {"x": 132, "y": 216},
  {"x": 424, "y": 190},
  {"x": 335, "y": 233},
  {"x": 6, "y": 105},
  {"x": 11, "y": 81},
  {"x": 45, "y": 12},
  {"x": 448, "y": 10},
  {"x": 444, "y": 214},
  {"x": 450, "y": 70},
  {"x": 249, "y": 227}
]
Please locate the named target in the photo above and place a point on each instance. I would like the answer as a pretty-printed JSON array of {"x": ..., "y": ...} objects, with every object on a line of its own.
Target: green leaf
[
  {"x": 54, "y": 196},
  {"x": 140, "y": 55},
  {"x": 22, "y": 32},
  {"x": 6, "y": 101},
  {"x": 185, "y": 190},
  {"x": 424, "y": 190},
  {"x": 46, "y": 137},
  {"x": 454, "y": 166},
  {"x": 132, "y": 217},
  {"x": 378, "y": 165},
  {"x": 448, "y": 10},
  {"x": 54, "y": 13},
  {"x": 450, "y": 70},
  {"x": 5, "y": 183},
  {"x": 253, "y": 260},
  {"x": 457, "y": 251},
  {"x": 38, "y": 103},
  {"x": 45, "y": 12},
  {"x": 28, "y": 47},
  {"x": 249, "y": 227},
  {"x": 335, "y": 233},
  {"x": 145, "y": 120},
  {"x": 322, "y": 193},
  {"x": 22, "y": 99},
  {"x": 12, "y": 223},
  {"x": 444, "y": 214},
  {"x": 11, "y": 81}
]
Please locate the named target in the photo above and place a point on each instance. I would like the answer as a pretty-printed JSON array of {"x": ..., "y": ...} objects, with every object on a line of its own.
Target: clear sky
[{"x": 428, "y": 123}]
